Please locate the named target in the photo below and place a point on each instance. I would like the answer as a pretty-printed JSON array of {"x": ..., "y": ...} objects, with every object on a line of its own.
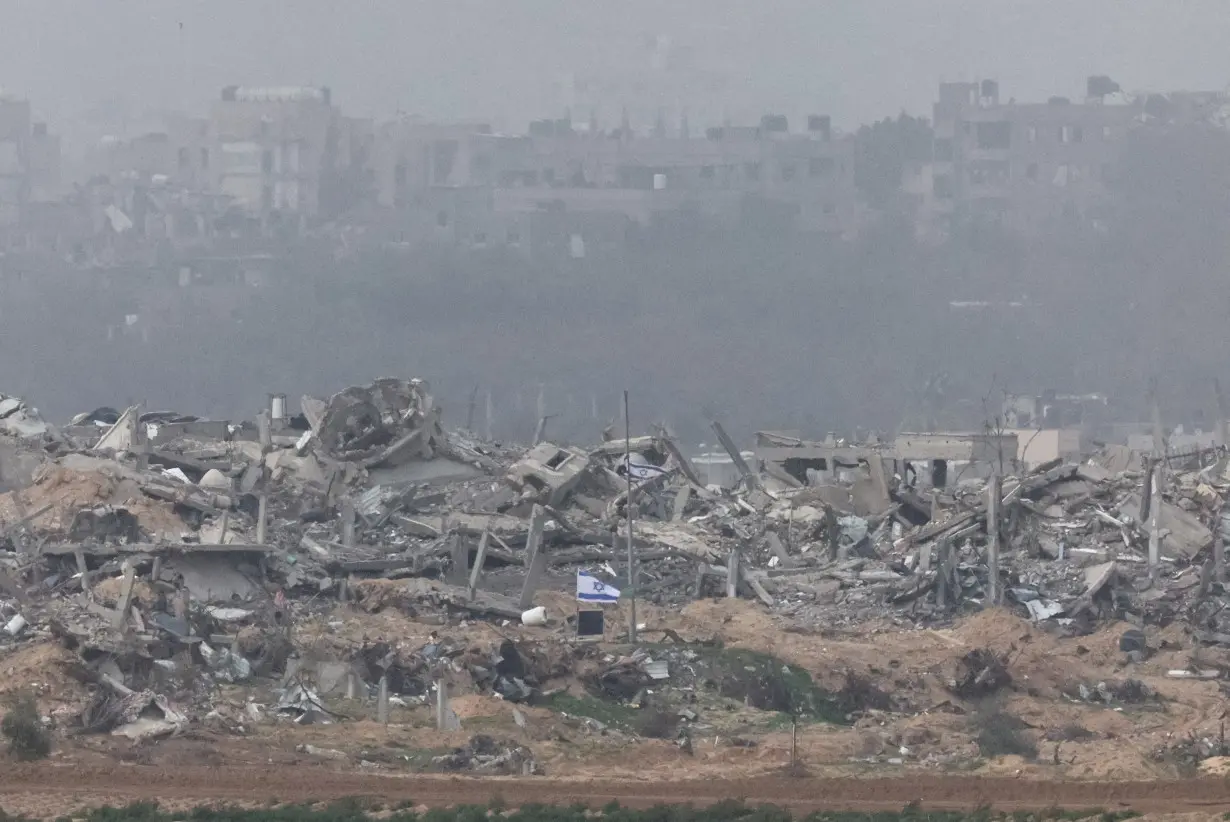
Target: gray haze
[
  {"x": 856, "y": 59},
  {"x": 872, "y": 320}
]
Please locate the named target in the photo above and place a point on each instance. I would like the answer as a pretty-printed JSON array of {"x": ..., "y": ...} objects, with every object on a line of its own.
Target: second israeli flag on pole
[{"x": 592, "y": 589}]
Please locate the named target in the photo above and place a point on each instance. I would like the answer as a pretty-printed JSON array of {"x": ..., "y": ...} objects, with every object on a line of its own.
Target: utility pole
[
  {"x": 471, "y": 408},
  {"x": 1223, "y": 415},
  {"x": 631, "y": 550},
  {"x": 1159, "y": 474},
  {"x": 993, "y": 492}
]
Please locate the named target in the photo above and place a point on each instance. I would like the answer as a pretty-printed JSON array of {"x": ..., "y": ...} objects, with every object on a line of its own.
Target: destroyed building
[{"x": 166, "y": 556}]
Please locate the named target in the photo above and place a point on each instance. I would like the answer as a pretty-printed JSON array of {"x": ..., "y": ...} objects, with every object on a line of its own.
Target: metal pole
[
  {"x": 631, "y": 555},
  {"x": 1155, "y": 520},
  {"x": 993, "y": 492},
  {"x": 1159, "y": 473},
  {"x": 470, "y": 409}
]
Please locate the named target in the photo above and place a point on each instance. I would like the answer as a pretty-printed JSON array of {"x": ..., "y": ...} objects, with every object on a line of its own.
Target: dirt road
[{"x": 47, "y": 790}]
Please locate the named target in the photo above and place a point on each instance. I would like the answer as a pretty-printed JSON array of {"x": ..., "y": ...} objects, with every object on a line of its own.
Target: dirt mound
[
  {"x": 737, "y": 620},
  {"x": 995, "y": 628},
  {"x": 68, "y": 491},
  {"x": 474, "y": 705},
  {"x": 42, "y": 669},
  {"x": 107, "y": 592}
]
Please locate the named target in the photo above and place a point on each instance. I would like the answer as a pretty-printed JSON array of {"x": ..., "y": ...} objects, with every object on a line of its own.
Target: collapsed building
[{"x": 168, "y": 553}]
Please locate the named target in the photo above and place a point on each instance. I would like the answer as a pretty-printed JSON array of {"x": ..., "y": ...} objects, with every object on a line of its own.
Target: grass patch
[
  {"x": 23, "y": 728},
  {"x": 608, "y": 712},
  {"x": 765, "y": 682}
]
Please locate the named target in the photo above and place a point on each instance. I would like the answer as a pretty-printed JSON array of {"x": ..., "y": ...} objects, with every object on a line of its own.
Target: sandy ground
[
  {"x": 936, "y": 731},
  {"x": 229, "y": 757},
  {"x": 68, "y": 491}
]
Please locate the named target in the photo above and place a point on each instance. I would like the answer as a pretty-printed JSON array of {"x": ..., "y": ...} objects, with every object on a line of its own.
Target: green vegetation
[
  {"x": 362, "y": 810},
  {"x": 608, "y": 712},
  {"x": 765, "y": 682},
  {"x": 23, "y": 728},
  {"x": 715, "y": 676}
]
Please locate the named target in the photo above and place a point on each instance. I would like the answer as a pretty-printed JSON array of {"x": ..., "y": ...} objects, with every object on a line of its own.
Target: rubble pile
[
  {"x": 174, "y": 555},
  {"x": 1072, "y": 544}
]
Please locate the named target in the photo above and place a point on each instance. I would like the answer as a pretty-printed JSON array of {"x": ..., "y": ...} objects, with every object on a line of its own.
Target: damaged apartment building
[
  {"x": 1030, "y": 166},
  {"x": 577, "y": 189},
  {"x": 288, "y": 151},
  {"x": 29, "y": 168},
  {"x": 262, "y": 158}
]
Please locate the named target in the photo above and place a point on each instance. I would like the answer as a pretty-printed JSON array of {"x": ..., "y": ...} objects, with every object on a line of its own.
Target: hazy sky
[{"x": 504, "y": 59}]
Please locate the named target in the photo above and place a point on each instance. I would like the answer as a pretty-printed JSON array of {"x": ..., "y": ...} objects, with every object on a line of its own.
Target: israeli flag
[{"x": 592, "y": 589}]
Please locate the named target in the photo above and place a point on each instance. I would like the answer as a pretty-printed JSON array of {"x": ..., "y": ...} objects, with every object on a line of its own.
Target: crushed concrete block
[
  {"x": 216, "y": 480},
  {"x": 549, "y": 471}
]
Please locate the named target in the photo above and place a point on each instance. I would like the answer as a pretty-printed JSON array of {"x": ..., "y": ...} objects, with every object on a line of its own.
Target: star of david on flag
[{"x": 592, "y": 589}]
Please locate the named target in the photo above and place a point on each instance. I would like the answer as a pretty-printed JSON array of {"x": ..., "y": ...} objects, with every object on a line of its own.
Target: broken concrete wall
[
  {"x": 1038, "y": 446},
  {"x": 549, "y": 473}
]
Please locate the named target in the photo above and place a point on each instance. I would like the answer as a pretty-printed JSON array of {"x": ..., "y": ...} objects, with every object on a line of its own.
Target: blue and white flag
[{"x": 592, "y": 589}]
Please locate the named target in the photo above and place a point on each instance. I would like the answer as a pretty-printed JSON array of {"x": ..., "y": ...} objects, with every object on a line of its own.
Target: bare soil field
[{"x": 49, "y": 790}]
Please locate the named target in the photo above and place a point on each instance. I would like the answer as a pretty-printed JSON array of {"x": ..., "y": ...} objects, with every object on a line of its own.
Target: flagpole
[{"x": 628, "y": 505}]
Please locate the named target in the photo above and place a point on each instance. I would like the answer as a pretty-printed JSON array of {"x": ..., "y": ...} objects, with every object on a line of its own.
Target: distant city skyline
[{"x": 510, "y": 62}]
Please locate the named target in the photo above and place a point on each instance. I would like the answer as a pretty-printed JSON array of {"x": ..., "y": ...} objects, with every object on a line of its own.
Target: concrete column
[
  {"x": 941, "y": 575},
  {"x": 459, "y": 552},
  {"x": 682, "y": 496},
  {"x": 728, "y": 445},
  {"x": 382, "y": 704},
  {"x": 535, "y": 558},
  {"x": 480, "y": 557},
  {"x": 264, "y": 431},
  {"x": 262, "y": 517},
  {"x": 140, "y": 442},
  {"x": 441, "y": 705},
  {"x": 732, "y": 574},
  {"x": 348, "y": 523},
  {"x": 120, "y": 620},
  {"x": 181, "y": 603}
]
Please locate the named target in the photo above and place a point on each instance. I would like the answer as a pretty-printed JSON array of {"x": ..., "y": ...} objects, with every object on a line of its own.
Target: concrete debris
[
  {"x": 20, "y": 420},
  {"x": 548, "y": 474},
  {"x": 227, "y": 665},
  {"x": 981, "y": 673},
  {"x": 172, "y": 554},
  {"x": 1111, "y": 692},
  {"x": 392, "y": 421},
  {"x": 483, "y": 754}
]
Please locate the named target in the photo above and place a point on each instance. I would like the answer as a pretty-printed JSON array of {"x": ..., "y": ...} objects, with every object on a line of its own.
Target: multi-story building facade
[
  {"x": 1025, "y": 165},
  {"x": 275, "y": 147},
  {"x": 29, "y": 163},
  {"x": 1033, "y": 165},
  {"x": 477, "y": 187},
  {"x": 195, "y": 145}
]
